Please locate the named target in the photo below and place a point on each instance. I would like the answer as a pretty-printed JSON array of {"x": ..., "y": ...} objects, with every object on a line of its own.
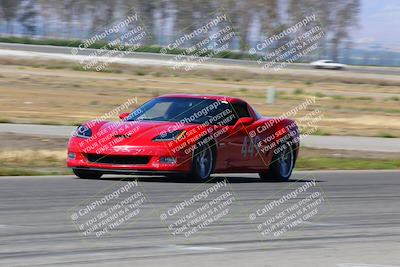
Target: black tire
[
  {"x": 87, "y": 174},
  {"x": 282, "y": 165},
  {"x": 203, "y": 162}
]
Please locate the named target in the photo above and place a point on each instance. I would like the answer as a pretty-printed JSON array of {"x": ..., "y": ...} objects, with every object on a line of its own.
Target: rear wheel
[
  {"x": 87, "y": 174},
  {"x": 281, "y": 166}
]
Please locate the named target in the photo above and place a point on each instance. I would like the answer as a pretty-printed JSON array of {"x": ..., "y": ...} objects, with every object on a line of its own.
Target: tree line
[{"x": 253, "y": 20}]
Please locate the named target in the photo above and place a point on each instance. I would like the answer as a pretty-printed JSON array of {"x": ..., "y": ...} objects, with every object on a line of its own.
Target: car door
[{"x": 240, "y": 151}]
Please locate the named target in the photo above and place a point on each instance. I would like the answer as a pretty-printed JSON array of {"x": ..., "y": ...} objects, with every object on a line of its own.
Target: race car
[{"x": 190, "y": 136}]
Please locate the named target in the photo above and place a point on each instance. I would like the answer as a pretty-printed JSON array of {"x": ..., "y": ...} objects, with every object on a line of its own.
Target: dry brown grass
[
  {"x": 33, "y": 162},
  {"x": 33, "y": 158}
]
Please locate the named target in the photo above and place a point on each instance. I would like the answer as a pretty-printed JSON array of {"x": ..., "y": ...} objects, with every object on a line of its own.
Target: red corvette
[{"x": 187, "y": 135}]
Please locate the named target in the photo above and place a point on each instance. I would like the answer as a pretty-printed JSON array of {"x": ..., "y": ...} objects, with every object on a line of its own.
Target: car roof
[{"x": 212, "y": 97}]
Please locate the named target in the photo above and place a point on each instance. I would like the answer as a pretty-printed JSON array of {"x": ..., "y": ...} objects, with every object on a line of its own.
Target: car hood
[{"x": 133, "y": 132}]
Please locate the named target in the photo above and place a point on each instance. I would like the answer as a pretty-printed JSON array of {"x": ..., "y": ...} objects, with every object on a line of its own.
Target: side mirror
[
  {"x": 241, "y": 122},
  {"x": 123, "y": 116}
]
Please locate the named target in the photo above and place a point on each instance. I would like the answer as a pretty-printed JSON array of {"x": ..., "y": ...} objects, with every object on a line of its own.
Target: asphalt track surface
[
  {"x": 358, "y": 224},
  {"x": 140, "y": 58}
]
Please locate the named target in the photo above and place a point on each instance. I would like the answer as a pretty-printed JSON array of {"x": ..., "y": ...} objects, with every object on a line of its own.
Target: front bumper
[
  {"x": 128, "y": 171},
  {"x": 129, "y": 160}
]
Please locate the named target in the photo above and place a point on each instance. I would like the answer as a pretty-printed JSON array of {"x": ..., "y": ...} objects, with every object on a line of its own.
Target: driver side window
[{"x": 241, "y": 110}]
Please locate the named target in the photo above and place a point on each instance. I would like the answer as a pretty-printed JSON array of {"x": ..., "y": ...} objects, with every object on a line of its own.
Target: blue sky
[{"x": 379, "y": 22}]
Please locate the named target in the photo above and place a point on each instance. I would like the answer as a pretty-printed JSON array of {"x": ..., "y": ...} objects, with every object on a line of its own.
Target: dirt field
[{"x": 54, "y": 92}]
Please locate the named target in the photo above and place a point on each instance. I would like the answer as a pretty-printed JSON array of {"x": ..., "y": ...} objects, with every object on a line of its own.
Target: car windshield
[{"x": 185, "y": 110}]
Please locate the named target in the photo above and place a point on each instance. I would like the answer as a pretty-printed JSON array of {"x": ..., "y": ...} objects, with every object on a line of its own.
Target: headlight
[
  {"x": 171, "y": 136},
  {"x": 83, "y": 131},
  {"x": 71, "y": 155}
]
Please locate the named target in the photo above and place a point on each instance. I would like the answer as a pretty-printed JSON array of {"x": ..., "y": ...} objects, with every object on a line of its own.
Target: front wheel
[
  {"x": 281, "y": 166},
  {"x": 203, "y": 162},
  {"x": 87, "y": 174}
]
